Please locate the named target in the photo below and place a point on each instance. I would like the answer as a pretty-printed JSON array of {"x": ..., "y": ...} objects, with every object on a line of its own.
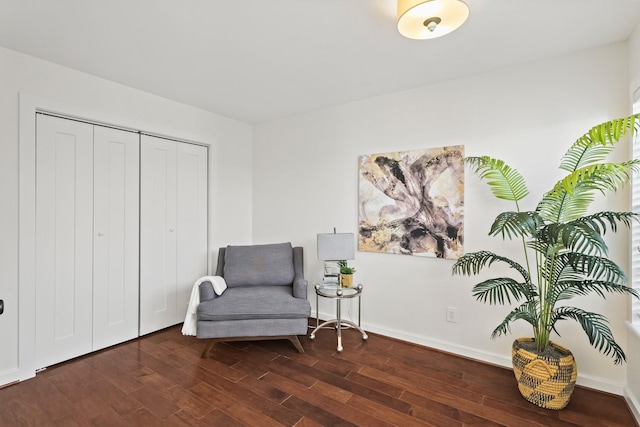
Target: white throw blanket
[{"x": 191, "y": 319}]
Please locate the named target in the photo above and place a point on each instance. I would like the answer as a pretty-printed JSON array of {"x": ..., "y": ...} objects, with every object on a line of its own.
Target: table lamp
[{"x": 334, "y": 247}]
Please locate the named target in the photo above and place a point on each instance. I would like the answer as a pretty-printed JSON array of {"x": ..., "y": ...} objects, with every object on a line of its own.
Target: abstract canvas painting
[{"x": 412, "y": 202}]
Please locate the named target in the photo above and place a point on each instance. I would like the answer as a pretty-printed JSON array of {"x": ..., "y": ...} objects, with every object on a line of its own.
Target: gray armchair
[{"x": 266, "y": 296}]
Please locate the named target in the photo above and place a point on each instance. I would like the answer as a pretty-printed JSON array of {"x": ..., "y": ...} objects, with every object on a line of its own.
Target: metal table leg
[{"x": 338, "y": 323}]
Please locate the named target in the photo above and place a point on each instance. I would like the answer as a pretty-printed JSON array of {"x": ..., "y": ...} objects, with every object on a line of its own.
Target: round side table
[{"x": 338, "y": 293}]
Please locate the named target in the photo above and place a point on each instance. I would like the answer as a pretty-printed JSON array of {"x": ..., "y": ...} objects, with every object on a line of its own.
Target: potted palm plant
[{"x": 564, "y": 255}]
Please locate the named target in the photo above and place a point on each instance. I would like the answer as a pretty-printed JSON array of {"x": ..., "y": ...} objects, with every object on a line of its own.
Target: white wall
[
  {"x": 305, "y": 181},
  {"x": 230, "y": 141},
  {"x": 632, "y": 389}
]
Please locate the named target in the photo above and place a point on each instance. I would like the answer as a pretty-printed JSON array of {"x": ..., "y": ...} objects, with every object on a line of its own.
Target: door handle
[{"x": 1, "y": 306}]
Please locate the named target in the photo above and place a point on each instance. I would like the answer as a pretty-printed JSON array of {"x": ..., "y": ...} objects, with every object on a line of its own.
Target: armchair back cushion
[{"x": 254, "y": 265}]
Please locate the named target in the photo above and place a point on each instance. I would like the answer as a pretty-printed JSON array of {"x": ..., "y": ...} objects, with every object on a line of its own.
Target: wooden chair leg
[
  {"x": 296, "y": 343},
  {"x": 211, "y": 342},
  {"x": 207, "y": 348}
]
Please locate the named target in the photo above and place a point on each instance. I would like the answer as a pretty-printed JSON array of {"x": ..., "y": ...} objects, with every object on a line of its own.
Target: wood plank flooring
[{"x": 161, "y": 380}]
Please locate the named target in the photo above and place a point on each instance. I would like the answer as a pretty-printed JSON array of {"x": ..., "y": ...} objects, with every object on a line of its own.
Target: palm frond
[
  {"x": 584, "y": 152},
  {"x": 579, "y": 274},
  {"x": 577, "y": 236},
  {"x": 473, "y": 262},
  {"x": 516, "y": 224},
  {"x": 542, "y": 245},
  {"x": 553, "y": 267},
  {"x": 570, "y": 197},
  {"x": 584, "y": 234},
  {"x": 505, "y": 182},
  {"x": 567, "y": 289},
  {"x": 556, "y": 206},
  {"x": 600, "y": 220},
  {"x": 526, "y": 311},
  {"x": 594, "y": 267},
  {"x": 501, "y": 290},
  {"x": 602, "y": 177},
  {"x": 597, "y": 143},
  {"x": 597, "y": 329}
]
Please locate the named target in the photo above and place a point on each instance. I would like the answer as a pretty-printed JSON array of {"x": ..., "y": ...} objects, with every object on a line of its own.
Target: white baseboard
[
  {"x": 492, "y": 358},
  {"x": 482, "y": 356},
  {"x": 633, "y": 403}
]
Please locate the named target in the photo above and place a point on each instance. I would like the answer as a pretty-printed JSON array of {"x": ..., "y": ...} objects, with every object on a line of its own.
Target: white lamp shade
[
  {"x": 336, "y": 246},
  {"x": 445, "y": 15}
]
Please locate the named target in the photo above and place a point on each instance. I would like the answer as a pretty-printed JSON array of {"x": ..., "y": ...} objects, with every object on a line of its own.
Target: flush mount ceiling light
[{"x": 420, "y": 19}]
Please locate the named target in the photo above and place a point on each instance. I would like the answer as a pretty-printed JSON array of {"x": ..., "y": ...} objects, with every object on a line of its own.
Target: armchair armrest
[
  {"x": 300, "y": 284},
  {"x": 206, "y": 291},
  {"x": 300, "y": 288}
]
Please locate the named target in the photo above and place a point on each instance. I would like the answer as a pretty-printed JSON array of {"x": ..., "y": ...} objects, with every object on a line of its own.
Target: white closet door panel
[
  {"x": 64, "y": 231},
  {"x": 116, "y": 236},
  {"x": 157, "y": 234},
  {"x": 191, "y": 221}
]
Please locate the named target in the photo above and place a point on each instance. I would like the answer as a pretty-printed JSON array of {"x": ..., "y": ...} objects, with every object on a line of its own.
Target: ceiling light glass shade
[{"x": 420, "y": 19}]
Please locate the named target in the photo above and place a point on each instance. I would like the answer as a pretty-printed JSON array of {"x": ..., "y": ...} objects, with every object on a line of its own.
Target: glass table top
[{"x": 336, "y": 291}]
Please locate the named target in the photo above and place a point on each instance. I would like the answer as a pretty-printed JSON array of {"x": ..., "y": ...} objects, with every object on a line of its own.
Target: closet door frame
[{"x": 30, "y": 105}]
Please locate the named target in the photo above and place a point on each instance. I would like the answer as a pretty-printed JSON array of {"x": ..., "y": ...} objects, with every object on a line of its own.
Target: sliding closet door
[
  {"x": 116, "y": 236},
  {"x": 173, "y": 228},
  {"x": 64, "y": 239}
]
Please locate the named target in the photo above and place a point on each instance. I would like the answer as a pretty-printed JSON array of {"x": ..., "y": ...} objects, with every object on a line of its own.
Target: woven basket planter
[{"x": 544, "y": 380}]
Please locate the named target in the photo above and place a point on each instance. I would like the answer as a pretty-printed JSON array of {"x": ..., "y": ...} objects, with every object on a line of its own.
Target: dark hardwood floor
[{"x": 160, "y": 379}]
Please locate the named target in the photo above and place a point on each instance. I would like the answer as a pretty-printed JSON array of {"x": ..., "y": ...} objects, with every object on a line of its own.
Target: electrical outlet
[{"x": 452, "y": 314}]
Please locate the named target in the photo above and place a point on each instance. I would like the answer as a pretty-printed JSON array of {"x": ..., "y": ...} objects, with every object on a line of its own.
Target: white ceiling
[{"x": 258, "y": 60}]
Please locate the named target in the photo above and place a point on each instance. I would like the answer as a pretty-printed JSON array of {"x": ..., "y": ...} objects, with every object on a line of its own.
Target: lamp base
[{"x": 331, "y": 273}]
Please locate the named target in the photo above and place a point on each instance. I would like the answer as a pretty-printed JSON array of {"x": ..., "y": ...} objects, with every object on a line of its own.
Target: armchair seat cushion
[{"x": 254, "y": 302}]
